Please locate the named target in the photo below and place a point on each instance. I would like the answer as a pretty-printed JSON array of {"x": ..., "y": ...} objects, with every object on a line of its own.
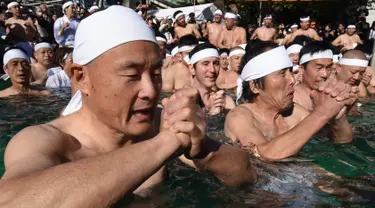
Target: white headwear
[
  {"x": 205, "y": 53},
  {"x": 352, "y": 27},
  {"x": 159, "y": 38},
  {"x": 243, "y": 46},
  {"x": 93, "y": 8},
  {"x": 12, "y": 4},
  {"x": 14, "y": 53},
  {"x": 86, "y": 47},
  {"x": 335, "y": 58},
  {"x": 230, "y": 15},
  {"x": 323, "y": 54},
  {"x": 354, "y": 62},
  {"x": 174, "y": 51},
  {"x": 179, "y": 15},
  {"x": 42, "y": 45},
  {"x": 261, "y": 66},
  {"x": 66, "y": 5},
  {"x": 186, "y": 48},
  {"x": 294, "y": 26},
  {"x": 139, "y": 12},
  {"x": 186, "y": 59},
  {"x": 218, "y": 12},
  {"x": 238, "y": 51},
  {"x": 305, "y": 19},
  {"x": 295, "y": 48},
  {"x": 268, "y": 17}
]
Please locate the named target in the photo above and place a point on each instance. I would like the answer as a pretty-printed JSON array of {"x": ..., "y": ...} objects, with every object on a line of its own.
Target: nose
[
  {"x": 324, "y": 74},
  {"x": 291, "y": 78},
  {"x": 357, "y": 76},
  {"x": 148, "y": 88}
]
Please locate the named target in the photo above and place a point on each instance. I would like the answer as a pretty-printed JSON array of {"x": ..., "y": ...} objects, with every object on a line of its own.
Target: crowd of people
[{"x": 113, "y": 140}]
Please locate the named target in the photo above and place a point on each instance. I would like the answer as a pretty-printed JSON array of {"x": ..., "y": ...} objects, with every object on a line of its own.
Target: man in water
[
  {"x": 224, "y": 64},
  {"x": 17, "y": 66},
  {"x": 44, "y": 59},
  {"x": 27, "y": 25},
  {"x": 65, "y": 27},
  {"x": 231, "y": 35},
  {"x": 266, "y": 32},
  {"x": 62, "y": 78},
  {"x": 183, "y": 28},
  {"x": 269, "y": 123},
  {"x": 215, "y": 28},
  {"x": 204, "y": 66},
  {"x": 304, "y": 30},
  {"x": 178, "y": 75},
  {"x": 112, "y": 146},
  {"x": 293, "y": 53},
  {"x": 230, "y": 79},
  {"x": 349, "y": 40},
  {"x": 316, "y": 67}
]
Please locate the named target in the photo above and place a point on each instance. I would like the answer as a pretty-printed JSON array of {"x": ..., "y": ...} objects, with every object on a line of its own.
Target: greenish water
[{"x": 322, "y": 175}]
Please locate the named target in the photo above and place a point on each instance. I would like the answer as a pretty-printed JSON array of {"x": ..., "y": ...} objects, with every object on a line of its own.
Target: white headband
[
  {"x": 308, "y": 57},
  {"x": 205, "y": 53},
  {"x": 354, "y": 62},
  {"x": 268, "y": 17},
  {"x": 352, "y": 27},
  {"x": 12, "y": 4},
  {"x": 108, "y": 36},
  {"x": 42, "y": 45},
  {"x": 179, "y": 15},
  {"x": 174, "y": 51},
  {"x": 230, "y": 15},
  {"x": 261, "y": 66},
  {"x": 186, "y": 48},
  {"x": 218, "y": 12},
  {"x": 14, "y": 53},
  {"x": 294, "y": 26},
  {"x": 368, "y": 56},
  {"x": 66, "y": 5},
  {"x": 305, "y": 19},
  {"x": 94, "y": 8},
  {"x": 295, "y": 68},
  {"x": 295, "y": 48},
  {"x": 237, "y": 52},
  {"x": 335, "y": 58},
  {"x": 243, "y": 46},
  {"x": 161, "y": 39},
  {"x": 186, "y": 59},
  {"x": 223, "y": 54}
]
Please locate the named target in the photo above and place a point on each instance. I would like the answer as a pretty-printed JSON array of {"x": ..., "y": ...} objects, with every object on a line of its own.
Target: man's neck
[
  {"x": 100, "y": 137},
  {"x": 42, "y": 66},
  {"x": 266, "y": 109},
  {"x": 204, "y": 92},
  {"x": 70, "y": 17},
  {"x": 21, "y": 88},
  {"x": 233, "y": 28}
]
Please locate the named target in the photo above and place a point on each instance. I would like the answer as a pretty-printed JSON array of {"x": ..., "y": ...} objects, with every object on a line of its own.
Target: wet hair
[
  {"x": 60, "y": 54},
  {"x": 314, "y": 47},
  {"x": 253, "y": 49},
  {"x": 187, "y": 40},
  {"x": 224, "y": 50}
]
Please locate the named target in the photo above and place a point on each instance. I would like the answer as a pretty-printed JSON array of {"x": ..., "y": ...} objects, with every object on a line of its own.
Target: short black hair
[
  {"x": 314, "y": 47},
  {"x": 224, "y": 50},
  {"x": 60, "y": 54},
  {"x": 187, "y": 40},
  {"x": 176, "y": 13},
  {"x": 200, "y": 47},
  {"x": 253, "y": 49},
  {"x": 301, "y": 40}
]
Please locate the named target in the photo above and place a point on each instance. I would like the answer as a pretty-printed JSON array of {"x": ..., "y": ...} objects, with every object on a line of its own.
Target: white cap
[
  {"x": 14, "y": 53},
  {"x": 42, "y": 45},
  {"x": 66, "y": 5},
  {"x": 218, "y": 12},
  {"x": 12, "y": 4},
  {"x": 91, "y": 42},
  {"x": 294, "y": 26},
  {"x": 91, "y": 10}
]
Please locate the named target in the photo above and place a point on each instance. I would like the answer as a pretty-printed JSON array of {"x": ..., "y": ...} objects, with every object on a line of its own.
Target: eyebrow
[{"x": 135, "y": 64}]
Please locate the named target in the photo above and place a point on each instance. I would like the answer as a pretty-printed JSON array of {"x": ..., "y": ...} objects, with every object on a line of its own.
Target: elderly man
[
  {"x": 91, "y": 156},
  {"x": 230, "y": 79},
  {"x": 43, "y": 55},
  {"x": 269, "y": 123},
  {"x": 266, "y": 32},
  {"x": 204, "y": 66},
  {"x": 183, "y": 28},
  {"x": 316, "y": 67},
  {"x": 17, "y": 66},
  {"x": 224, "y": 64},
  {"x": 349, "y": 40},
  {"x": 62, "y": 78},
  {"x": 293, "y": 53},
  {"x": 215, "y": 28},
  {"x": 231, "y": 35},
  {"x": 178, "y": 75},
  {"x": 27, "y": 25},
  {"x": 65, "y": 27},
  {"x": 304, "y": 30}
]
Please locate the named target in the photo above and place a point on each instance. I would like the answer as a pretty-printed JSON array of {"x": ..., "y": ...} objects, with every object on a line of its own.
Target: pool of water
[{"x": 321, "y": 175}]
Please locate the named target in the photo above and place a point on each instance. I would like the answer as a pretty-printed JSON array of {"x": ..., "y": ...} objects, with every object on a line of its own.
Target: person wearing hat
[
  {"x": 231, "y": 75},
  {"x": 27, "y": 25},
  {"x": 231, "y": 35},
  {"x": 65, "y": 27},
  {"x": 266, "y": 32},
  {"x": 43, "y": 55},
  {"x": 304, "y": 30},
  {"x": 182, "y": 28},
  {"x": 349, "y": 40},
  {"x": 117, "y": 142},
  {"x": 268, "y": 122},
  {"x": 93, "y": 9},
  {"x": 17, "y": 67},
  {"x": 215, "y": 28},
  {"x": 293, "y": 29}
]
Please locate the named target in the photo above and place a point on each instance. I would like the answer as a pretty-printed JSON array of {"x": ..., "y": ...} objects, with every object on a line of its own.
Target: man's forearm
[
  {"x": 229, "y": 164},
  {"x": 92, "y": 182},
  {"x": 370, "y": 89},
  {"x": 291, "y": 142},
  {"x": 341, "y": 130}
]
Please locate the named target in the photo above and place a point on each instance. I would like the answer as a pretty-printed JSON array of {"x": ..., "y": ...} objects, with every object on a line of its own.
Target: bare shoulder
[
  {"x": 300, "y": 112},
  {"x": 238, "y": 114},
  {"x": 241, "y": 29},
  {"x": 32, "y": 149}
]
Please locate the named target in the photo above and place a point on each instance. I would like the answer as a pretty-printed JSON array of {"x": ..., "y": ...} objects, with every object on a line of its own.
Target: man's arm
[
  {"x": 254, "y": 35},
  {"x": 220, "y": 40},
  {"x": 229, "y": 164},
  {"x": 168, "y": 80},
  {"x": 315, "y": 35},
  {"x": 359, "y": 41},
  {"x": 341, "y": 130},
  {"x": 243, "y": 36},
  {"x": 35, "y": 177},
  {"x": 337, "y": 41},
  {"x": 196, "y": 32},
  {"x": 57, "y": 30}
]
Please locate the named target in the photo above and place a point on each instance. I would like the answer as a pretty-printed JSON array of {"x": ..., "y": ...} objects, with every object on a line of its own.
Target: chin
[{"x": 139, "y": 129}]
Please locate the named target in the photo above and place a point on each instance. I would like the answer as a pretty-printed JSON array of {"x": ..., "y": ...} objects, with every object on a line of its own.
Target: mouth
[
  {"x": 211, "y": 78},
  {"x": 143, "y": 115},
  {"x": 290, "y": 94}
]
